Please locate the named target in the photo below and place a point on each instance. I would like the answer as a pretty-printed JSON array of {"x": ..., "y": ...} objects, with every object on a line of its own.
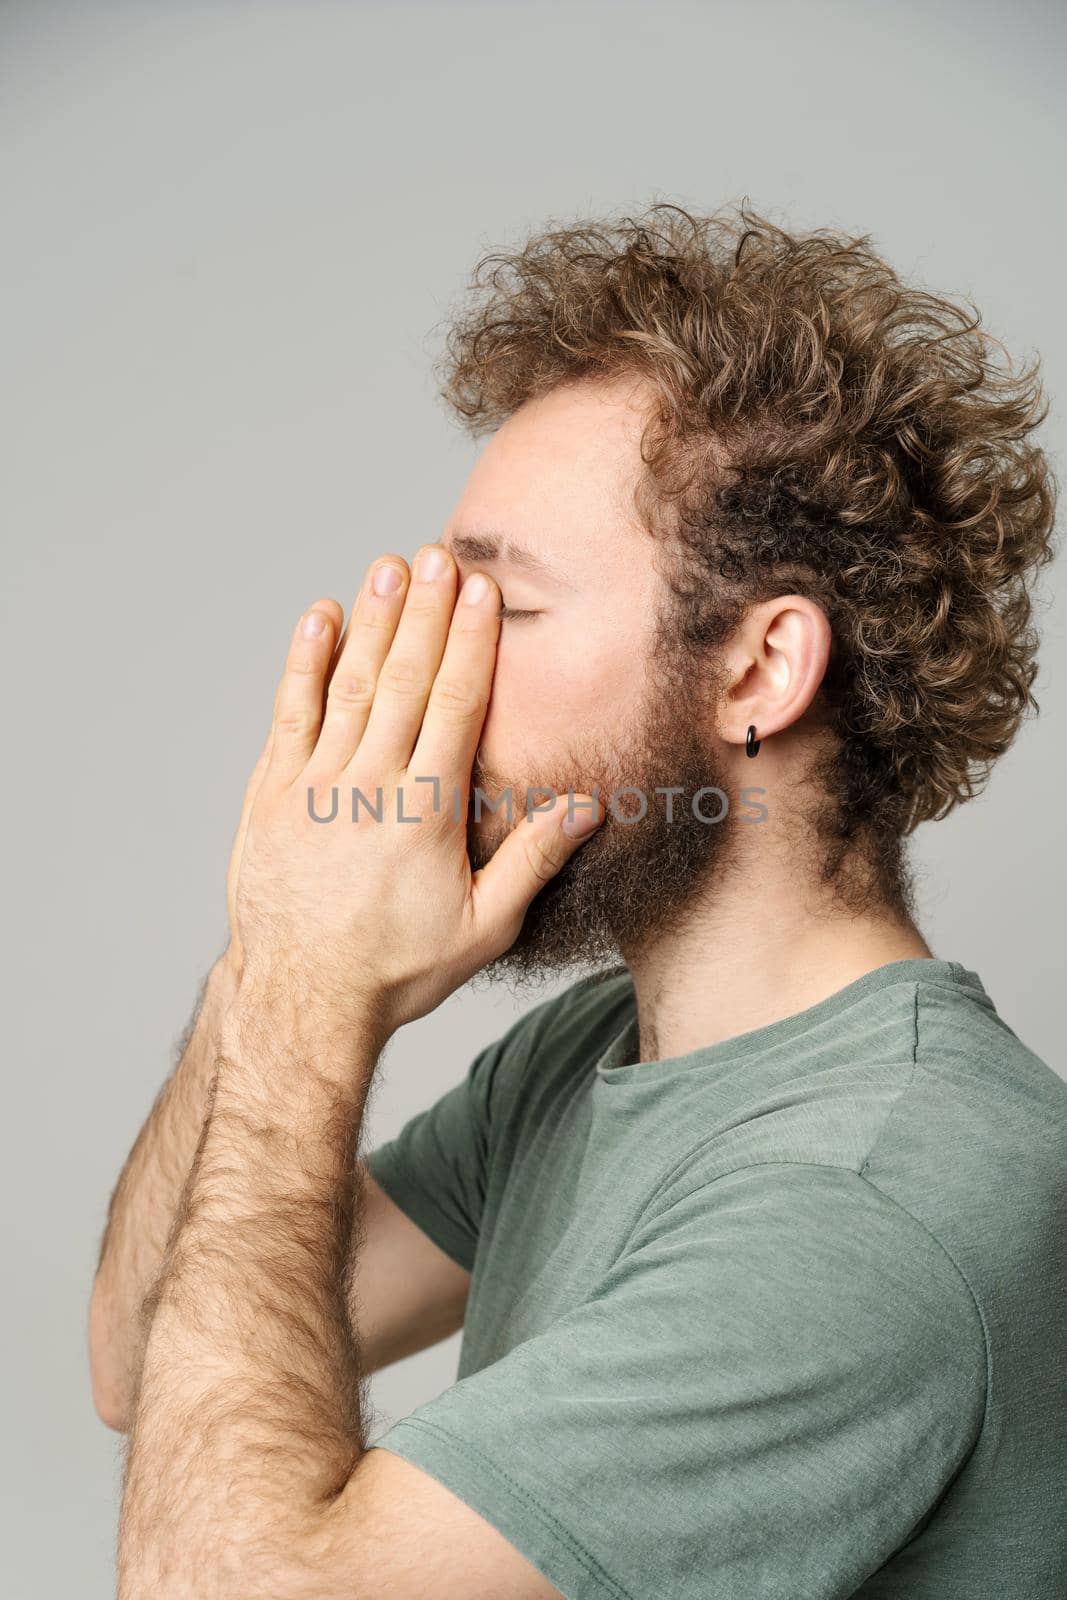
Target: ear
[{"x": 774, "y": 664}]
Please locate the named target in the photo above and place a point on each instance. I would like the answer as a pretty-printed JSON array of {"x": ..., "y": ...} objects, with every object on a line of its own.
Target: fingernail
[
  {"x": 579, "y": 822},
  {"x": 431, "y": 564},
  {"x": 313, "y": 624},
  {"x": 387, "y": 579},
  {"x": 476, "y": 588}
]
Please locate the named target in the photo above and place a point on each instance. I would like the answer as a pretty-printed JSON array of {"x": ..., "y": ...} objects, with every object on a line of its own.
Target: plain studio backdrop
[{"x": 230, "y": 236}]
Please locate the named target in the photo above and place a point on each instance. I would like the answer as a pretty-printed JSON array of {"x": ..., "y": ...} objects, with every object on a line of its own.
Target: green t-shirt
[{"x": 782, "y": 1318}]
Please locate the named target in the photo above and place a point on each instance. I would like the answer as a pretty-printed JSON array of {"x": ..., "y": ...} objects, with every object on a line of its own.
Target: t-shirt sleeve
[
  {"x": 765, "y": 1396},
  {"x": 436, "y": 1167}
]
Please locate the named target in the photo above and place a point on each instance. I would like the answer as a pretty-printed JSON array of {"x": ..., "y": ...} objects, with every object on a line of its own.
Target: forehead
[{"x": 557, "y": 480}]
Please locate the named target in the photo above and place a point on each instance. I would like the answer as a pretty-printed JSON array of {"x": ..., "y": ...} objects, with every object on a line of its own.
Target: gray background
[{"x": 229, "y": 233}]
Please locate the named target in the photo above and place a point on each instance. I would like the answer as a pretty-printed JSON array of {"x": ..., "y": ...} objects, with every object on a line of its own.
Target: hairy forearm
[
  {"x": 249, "y": 1419},
  {"x": 143, "y": 1205}
]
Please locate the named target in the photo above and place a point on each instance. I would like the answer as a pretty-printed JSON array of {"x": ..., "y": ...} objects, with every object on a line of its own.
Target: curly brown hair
[{"x": 820, "y": 427}]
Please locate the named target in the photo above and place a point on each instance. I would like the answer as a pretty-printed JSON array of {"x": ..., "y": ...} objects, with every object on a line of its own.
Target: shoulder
[
  {"x": 977, "y": 1091},
  {"x": 974, "y": 1146},
  {"x": 959, "y": 1024},
  {"x": 809, "y": 1233}
]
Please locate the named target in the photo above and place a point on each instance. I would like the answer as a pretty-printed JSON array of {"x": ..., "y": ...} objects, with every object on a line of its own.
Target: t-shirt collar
[{"x": 618, "y": 1062}]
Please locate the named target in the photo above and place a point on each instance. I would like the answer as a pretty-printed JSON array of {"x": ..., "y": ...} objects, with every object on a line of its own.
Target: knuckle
[
  {"x": 322, "y": 797},
  {"x": 402, "y": 677},
  {"x": 302, "y": 665},
  {"x": 454, "y": 699},
  {"x": 418, "y": 800},
  {"x": 351, "y": 691},
  {"x": 374, "y": 623},
  {"x": 292, "y": 722},
  {"x": 541, "y": 861},
  {"x": 425, "y": 604},
  {"x": 472, "y": 619}
]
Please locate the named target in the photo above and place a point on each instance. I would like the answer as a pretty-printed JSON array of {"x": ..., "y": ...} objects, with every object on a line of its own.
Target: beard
[{"x": 630, "y": 878}]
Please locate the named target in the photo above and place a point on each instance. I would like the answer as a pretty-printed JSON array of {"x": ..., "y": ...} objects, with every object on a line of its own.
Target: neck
[{"x": 753, "y": 950}]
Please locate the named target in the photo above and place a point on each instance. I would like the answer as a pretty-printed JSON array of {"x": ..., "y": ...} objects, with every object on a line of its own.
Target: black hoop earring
[{"x": 751, "y": 742}]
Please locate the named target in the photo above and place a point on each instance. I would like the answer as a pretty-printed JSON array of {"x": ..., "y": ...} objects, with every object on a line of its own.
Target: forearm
[
  {"x": 245, "y": 1467},
  {"x": 249, "y": 1419},
  {"x": 143, "y": 1205}
]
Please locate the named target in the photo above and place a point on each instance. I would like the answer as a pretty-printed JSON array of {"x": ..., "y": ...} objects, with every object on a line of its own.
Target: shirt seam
[
  {"x": 701, "y": 1143},
  {"x": 837, "y": 1166},
  {"x": 483, "y": 1462},
  {"x": 904, "y": 1088},
  {"x": 987, "y": 1344},
  {"x": 895, "y": 983},
  {"x": 525, "y": 1496},
  {"x": 861, "y": 1173}
]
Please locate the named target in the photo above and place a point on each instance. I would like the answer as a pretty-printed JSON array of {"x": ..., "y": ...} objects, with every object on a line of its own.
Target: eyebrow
[{"x": 485, "y": 548}]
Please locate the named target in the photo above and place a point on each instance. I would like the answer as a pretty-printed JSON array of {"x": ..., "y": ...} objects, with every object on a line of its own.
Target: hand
[
  {"x": 231, "y": 958},
  {"x": 384, "y": 915}
]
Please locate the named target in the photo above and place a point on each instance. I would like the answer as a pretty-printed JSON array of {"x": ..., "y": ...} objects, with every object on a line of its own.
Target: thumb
[{"x": 532, "y": 853}]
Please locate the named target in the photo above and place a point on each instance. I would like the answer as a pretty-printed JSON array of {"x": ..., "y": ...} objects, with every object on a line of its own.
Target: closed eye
[{"x": 509, "y": 614}]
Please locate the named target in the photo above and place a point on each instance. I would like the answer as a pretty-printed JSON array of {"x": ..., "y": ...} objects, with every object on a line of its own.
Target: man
[{"x": 755, "y": 1232}]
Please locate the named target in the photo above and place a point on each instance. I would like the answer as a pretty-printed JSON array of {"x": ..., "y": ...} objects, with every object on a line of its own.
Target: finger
[
  {"x": 358, "y": 660},
  {"x": 459, "y": 698},
  {"x": 529, "y": 857},
  {"x": 299, "y": 700},
  {"x": 410, "y": 667}
]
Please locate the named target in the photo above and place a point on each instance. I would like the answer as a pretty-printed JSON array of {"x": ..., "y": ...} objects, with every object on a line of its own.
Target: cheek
[{"x": 546, "y": 694}]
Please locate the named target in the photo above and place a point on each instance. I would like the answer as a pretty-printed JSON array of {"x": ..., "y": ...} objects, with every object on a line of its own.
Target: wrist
[
  {"x": 282, "y": 1017},
  {"x": 199, "y": 1044}
]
